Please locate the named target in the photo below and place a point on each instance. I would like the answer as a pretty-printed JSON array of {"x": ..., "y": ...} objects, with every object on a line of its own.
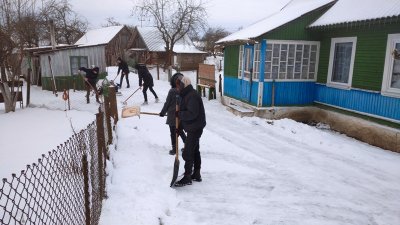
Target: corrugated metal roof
[
  {"x": 154, "y": 42},
  {"x": 99, "y": 36},
  {"x": 345, "y": 11},
  {"x": 289, "y": 13}
]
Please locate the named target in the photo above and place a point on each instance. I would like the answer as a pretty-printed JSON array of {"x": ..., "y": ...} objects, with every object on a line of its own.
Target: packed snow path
[{"x": 253, "y": 172}]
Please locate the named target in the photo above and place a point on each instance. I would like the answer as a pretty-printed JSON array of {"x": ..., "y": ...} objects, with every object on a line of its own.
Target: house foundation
[{"x": 360, "y": 129}]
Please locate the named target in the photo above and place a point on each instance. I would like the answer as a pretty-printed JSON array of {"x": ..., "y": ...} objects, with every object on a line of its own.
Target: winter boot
[
  {"x": 186, "y": 180},
  {"x": 196, "y": 176},
  {"x": 172, "y": 152},
  {"x": 157, "y": 100},
  {"x": 145, "y": 103}
]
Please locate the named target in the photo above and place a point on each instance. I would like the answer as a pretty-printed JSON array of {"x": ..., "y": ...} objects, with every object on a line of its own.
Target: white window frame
[
  {"x": 241, "y": 58},
  {"x": 256, "y": 62},
  {"x": 294, "y": 42},
  {"x": 334, "y": 41},
  {"x": 388, "y": 69}
]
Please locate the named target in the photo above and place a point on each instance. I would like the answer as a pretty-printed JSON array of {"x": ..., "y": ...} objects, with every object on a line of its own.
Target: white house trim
[
  {"x": 388, "y": 69},
  {"x": 334, "y": 41}
]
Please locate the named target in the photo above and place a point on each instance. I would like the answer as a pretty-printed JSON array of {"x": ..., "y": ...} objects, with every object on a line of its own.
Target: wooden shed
[
  {"x": 148, "y": 44},
  {"x": 99, "y": 47}
]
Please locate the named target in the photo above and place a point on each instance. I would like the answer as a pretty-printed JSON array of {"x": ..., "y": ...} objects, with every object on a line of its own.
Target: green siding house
[{"x": 338, "y": 54}]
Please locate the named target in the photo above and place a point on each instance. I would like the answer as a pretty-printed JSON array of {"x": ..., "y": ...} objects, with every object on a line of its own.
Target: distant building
[
  {"x": 99, "y": 47},
  {"x": 149, "y": 46}
]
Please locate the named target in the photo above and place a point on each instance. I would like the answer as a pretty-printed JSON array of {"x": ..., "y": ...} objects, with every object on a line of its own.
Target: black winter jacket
[
  {"x": 191, "y": 113},
  {"x": 144, "y": 75},
  {"x": 124, "y": 67},
  {"x": 91, "y": 74},
  {"x": 170, "y": 107}
]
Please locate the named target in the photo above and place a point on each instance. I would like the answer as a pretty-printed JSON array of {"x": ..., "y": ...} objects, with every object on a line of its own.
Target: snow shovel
[
  {"x": 135, "y": 111},
  {"x": 124, "y": 102},
  {"x": 176, "y": 163}
]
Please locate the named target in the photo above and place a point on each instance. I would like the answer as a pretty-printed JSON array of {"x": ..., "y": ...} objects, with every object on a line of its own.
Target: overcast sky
[{"x": 228, "y": 14}]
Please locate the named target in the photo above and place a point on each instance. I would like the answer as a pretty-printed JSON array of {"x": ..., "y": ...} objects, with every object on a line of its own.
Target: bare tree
[
  {"x": 69, "y": 26},
  {"x": 211, "y": 36},
  {"x": 22, "y": 24},
  {"x": 173, "y": 19},
  {"x": 110, "y": 21}
]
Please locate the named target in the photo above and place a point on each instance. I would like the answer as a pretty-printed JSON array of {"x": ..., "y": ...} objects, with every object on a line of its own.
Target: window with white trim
[
  {"x": 341, "y": 62},
  {"x": 247, "y": 63},
  {"x": 77, "y": 62},
  {"x": 241, "y": 50},
  {"x": 391, "y": 76},
  {"x": 291, "y": 60},
  {"x": 256, "y": 65}
]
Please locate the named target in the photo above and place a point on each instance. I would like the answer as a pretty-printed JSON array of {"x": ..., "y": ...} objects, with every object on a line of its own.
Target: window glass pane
[
  {"x": 284, "y": 47},
  {"x": 305, "y": 62},
  {"x": 299, "y": 47},
  {"x": 291, "y": 51},
  {"x": 296, "y": 75},
  {"x": 313, "y": 56},
  {"x": 298, "y": 56},
  {"x": 304, "y": 72},
  {"x": 312, "y": 67},
  {"x": 269, "y": 47},
  {"x": 341, "y": 62},
  {"x": 276, "y": 50},
  {"x": 311, "y": 76},
  {"x": 290, "y": 72},
  {"x": 268, "y": 56},
  {"x": 306, "y": 52},
  {"x": 395, "y": 81},
  {"x": 282, "y": 75},
  {"x": 275, "y": 61},
  {"x": 297, "y": 67},
  {"x": 267, "y": 75},
  {"x": 283, "y": 55},
  {"x": 282, "y": 67},
  {"x": 313, "y": 48},
  {"x": 268, "y": 66},
  {"x": 291, "y": 62},
  {"x": 275, "y": 70},
  {"x": 84, "y": 62},
  {"x": 74, "y": 65}
]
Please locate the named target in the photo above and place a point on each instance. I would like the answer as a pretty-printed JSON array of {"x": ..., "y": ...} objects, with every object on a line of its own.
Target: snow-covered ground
[{"x": 254, "y": 171}]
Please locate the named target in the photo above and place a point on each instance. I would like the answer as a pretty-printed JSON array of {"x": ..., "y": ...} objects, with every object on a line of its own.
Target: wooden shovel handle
[{"x": 150, "y": 113}]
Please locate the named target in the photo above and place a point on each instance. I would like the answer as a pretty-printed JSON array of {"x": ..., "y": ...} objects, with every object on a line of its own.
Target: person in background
[
  {"x": 123, "y": 67},
  {"x": 147, "y": 79},
  {"x": 193, "y": 119},
  {"x": 169, "y": 109},
  {"x": 90, "y": 81}
]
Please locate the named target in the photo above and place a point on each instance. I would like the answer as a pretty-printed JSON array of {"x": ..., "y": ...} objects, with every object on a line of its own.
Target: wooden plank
[{"x": 207, "y": 75}]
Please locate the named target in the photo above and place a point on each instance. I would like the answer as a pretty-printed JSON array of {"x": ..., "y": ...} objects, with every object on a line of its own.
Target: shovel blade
[
  {"x": 176, "y": 171},
  {"x": 130, "y": 111}
]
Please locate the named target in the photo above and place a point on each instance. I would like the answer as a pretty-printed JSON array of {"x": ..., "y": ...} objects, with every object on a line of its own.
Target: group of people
[{"x": 190, "y": 114}]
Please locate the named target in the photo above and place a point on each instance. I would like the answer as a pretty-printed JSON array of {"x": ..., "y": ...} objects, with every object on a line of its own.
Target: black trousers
[
  {"x": 89, "y": 88},
  {"x": 145, "y": 87},
  {"x": 182, "y": 134},
  {"x": 122, "y": 79},
  {"x": 191, "y": 154}
]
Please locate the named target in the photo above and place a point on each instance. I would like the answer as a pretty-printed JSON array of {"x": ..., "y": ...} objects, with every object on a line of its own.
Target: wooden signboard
[{"x": 207, "y": 75}]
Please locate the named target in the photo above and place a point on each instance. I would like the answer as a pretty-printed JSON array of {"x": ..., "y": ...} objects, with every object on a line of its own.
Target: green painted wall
[
  {"x": 296, "y": 30},
  {"x": 231, "y": 60},
  {"x": 370, "y": 52},
  {"x": 66, "y": 82}
]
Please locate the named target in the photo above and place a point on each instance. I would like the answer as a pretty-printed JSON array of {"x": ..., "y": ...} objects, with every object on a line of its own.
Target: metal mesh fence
[{"x": 66, "y": 185}]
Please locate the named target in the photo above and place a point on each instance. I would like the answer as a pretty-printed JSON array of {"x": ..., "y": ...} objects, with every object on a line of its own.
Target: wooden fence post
[
  {"x": 113, "y": 103},
  {"x": 101, "y": 147},
  {"x": 86, "y": 188},
  {"x": 108, "y": 119}
]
